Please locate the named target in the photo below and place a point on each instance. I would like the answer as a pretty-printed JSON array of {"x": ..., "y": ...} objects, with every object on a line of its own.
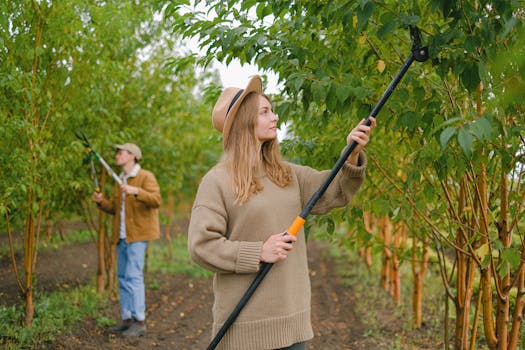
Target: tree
[
  {"x": 456, "y": 129},
  {"x": 74, "y": 65}
]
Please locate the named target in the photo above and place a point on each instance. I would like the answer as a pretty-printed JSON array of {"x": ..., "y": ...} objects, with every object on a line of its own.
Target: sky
[{"x": 237, "y": 75}]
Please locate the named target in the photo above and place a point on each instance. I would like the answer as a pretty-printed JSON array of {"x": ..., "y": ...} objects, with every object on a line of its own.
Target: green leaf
[
  {"x": 445, "y": 136},
  {"x": 483, "y": 251},
  {"x": 363, "y": 13},
  {"x": 470, "y": 76},
  {"x": 511, "y": 256},
  {"x": 263, "y": 10},
  {"x": 445, "y": 123},
  {"x": 342, "y": 92},
  {"x": 481, "y": 128},
  {"x": 318, "y": 91},
  {"x": 465, "y": 141}
]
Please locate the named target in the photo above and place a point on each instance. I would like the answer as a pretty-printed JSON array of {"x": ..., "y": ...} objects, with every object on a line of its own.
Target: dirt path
[{"x": 179, "y": 310}]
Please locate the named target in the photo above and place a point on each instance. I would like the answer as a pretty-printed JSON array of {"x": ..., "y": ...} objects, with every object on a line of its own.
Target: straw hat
[{"x": 228, "y": 103}]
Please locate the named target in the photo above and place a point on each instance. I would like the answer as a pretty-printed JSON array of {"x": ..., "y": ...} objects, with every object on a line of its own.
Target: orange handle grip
[{"x": 296, "y": 226}]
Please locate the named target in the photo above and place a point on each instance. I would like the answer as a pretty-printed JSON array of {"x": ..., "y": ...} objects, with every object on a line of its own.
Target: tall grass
[{"x": 55, "y": 314}]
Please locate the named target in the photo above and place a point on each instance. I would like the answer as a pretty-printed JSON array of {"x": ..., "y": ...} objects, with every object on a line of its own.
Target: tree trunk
[
  {"x": 399, "y": 237},
  {"x": 486, "y": 273},
  {"x": 475, "y": 323},
  {"x": 112, "y": 274},
  {"x": 101, "y": 243},
  {"x": 385, "y": 234},
  {"x": 170, "y": 209},
  {"x": 370, "y": 227},
  {"x": 464, "y": 276},
  {"x": 419, "y": 271},
  {"x": 505, "y": 237},
  {"x": 517, "y": 317},
  {"x": 29, "y": 246}
]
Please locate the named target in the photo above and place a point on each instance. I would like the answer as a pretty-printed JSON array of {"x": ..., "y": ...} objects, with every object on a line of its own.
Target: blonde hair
[{"x": 241, "y": 147}]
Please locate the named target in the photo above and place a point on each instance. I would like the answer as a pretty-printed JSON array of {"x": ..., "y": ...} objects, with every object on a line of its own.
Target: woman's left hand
[{"x": 361, "y": 135}]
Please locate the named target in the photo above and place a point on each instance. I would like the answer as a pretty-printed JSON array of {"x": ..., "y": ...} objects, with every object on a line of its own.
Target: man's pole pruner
[
  {"x": 93, "y": 172},
  {"x": 91, "y": 152},
  {"x": 419, "y": 54}
]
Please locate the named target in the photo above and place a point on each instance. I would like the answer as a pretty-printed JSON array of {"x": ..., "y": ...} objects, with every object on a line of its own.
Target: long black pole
[{"x": 419, "y": 54}]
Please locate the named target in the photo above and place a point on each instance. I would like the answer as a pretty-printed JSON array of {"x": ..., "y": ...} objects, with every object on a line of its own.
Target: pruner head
[
  {"x": 82, "y": 137},
  {"x": 420, "y": 53}
]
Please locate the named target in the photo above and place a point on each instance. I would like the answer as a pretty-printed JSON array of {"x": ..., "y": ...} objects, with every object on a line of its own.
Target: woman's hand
[
  {"x": 361, "y": 135},
  {"x": 276, "y": 247}
]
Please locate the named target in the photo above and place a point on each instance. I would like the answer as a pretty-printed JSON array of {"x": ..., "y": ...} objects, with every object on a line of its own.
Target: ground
[{"x": 179, "y": 308}]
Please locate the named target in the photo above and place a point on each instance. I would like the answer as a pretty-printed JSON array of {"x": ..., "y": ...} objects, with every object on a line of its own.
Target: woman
[{"x": 242, "y": 208}]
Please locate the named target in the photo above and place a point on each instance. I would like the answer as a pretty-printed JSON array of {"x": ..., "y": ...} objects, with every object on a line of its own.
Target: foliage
[
  {"x": 100, "y": 68},
  {"x": 57, "y": 314},
  {"x": 450, "y": 136}
]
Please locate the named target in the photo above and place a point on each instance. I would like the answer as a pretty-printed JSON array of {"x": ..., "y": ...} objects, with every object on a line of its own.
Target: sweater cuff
[
  {"x": 248, "y": 258},
  {"x": 356, "y": 170}
]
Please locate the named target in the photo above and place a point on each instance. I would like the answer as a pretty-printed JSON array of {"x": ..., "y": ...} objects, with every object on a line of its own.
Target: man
[{"x": 135, "y": 206}]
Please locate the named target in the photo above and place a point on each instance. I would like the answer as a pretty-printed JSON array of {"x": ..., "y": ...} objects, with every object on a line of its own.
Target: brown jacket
[{"x": 142, "y": 210}]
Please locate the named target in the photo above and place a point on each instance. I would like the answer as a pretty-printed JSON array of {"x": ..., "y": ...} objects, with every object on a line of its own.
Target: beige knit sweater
[{"x": 227, "y": 239}]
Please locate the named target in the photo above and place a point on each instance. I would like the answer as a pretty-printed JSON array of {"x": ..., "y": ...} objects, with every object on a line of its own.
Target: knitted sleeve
[
  {"x": 341, "y": 190},
  {"x": 207, "y": 242}
]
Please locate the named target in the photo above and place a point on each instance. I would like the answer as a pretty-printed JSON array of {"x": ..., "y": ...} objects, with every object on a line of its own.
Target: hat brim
[{"x": 254, "y": 85}]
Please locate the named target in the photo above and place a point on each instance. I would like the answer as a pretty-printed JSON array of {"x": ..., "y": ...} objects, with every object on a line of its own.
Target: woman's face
[{"x": 266, "y": 125}]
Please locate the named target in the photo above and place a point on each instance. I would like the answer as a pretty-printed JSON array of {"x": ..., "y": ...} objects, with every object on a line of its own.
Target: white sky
[{"x": 237, "y": 75}]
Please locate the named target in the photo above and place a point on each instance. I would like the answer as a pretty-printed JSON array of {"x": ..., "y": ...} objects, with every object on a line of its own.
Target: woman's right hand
[{"x": 276, "y": 247}]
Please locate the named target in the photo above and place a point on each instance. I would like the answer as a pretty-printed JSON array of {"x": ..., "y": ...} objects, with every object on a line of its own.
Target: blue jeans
[{"x": 130, "y": 266}]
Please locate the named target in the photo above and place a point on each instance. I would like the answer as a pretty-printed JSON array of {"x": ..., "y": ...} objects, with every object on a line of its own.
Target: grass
[
  {"x": 390, "y": 324},
  {"x": 175, "y": 262},
  {"x": 57, "y": 313}
]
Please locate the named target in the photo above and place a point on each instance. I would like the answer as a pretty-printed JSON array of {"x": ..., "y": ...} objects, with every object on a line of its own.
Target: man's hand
[
  {"x": 98, "y": 197},
  {"x": 129, "y": 189}
]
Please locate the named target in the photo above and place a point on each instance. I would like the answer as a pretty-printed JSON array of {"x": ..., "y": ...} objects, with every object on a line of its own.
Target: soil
[{"x": 179, "y": 308}]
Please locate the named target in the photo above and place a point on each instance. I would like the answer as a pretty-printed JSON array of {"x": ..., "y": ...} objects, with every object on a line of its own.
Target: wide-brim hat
[
  {"x": 131, "y": 148},
  {"x": 225, "y": 109}
]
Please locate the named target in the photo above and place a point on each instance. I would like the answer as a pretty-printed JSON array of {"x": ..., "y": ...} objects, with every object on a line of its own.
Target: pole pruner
[{"x": 91, "y": 153}]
